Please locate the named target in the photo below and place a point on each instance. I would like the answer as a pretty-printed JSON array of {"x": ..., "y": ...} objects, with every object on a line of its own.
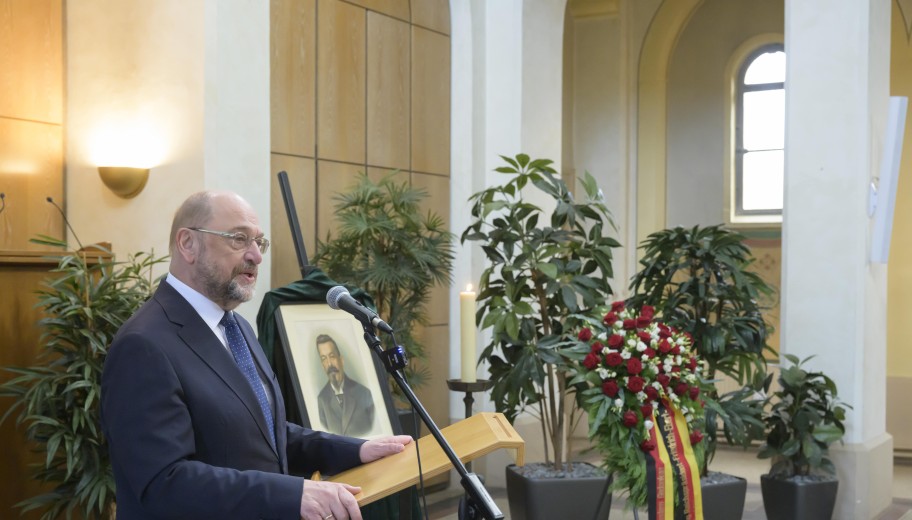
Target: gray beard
[{"x": 222, "y": 292}]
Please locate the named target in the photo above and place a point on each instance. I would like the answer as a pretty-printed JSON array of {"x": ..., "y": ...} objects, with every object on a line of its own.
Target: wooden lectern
[{"x": 470, "y": 438}]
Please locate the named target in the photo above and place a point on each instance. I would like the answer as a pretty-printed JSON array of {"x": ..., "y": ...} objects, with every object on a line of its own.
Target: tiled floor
[{"x": 442, "y": 505}]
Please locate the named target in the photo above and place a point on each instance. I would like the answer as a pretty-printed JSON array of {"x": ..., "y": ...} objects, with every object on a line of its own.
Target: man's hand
[
  {"x": 329, "y": 501},
  {"x": 382, "y": 447}
]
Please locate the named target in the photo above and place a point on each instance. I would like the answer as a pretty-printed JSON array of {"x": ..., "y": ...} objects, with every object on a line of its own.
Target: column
[{"x": 833, "y": 299}]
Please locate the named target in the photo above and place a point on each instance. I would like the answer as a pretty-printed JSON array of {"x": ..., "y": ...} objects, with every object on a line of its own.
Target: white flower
[
  {"x": 602, "y": 372},
  {"x": 632, "y": 342},
  {"x": 648, "y": 425},
  {"x": 625, "y": 354},
  {"x": 641, "y": 396},
  {"x": 641, "y": 346},
  {"x": 618, "y": 402}
]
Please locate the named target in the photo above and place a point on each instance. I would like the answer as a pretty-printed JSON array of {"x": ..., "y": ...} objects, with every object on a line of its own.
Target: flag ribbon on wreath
[{"x": 672, "y": 461}]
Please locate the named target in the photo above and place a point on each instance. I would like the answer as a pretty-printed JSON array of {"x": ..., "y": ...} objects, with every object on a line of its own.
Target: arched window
[{"x": 760, "y": 135}]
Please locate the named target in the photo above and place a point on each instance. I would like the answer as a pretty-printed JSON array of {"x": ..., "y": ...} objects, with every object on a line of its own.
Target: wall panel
[
  {"x": 292, "y": 69},
  {"x": 430, "y": 102},
  {"x": 388, "y": 92},
  {"x": 341, "y": 60},
  {"x": 31, "y": 60},
  {"x": 432, "y": 14},
  {"x": 332, "y": 178}
]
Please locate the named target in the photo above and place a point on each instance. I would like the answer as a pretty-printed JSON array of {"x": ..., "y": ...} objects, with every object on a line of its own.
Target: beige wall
[{"x": 361, "y": 86}]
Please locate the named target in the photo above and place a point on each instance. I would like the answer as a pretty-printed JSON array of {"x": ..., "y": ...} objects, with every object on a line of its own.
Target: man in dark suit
[
  {"x": 346, "y": 406},
  {"x": 190, "y": 407}
]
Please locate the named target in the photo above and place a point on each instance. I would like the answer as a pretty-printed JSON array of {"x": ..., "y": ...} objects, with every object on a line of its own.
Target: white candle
[{"x": 467, "y": 335}]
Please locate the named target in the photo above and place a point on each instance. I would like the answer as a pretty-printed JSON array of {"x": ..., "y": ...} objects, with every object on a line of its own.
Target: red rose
[
  {"x": 692, "y": 364},
  {"x": 694, "y": 392},
  {"x": 663, "y": 380},
  {"x": 646, "y": 410},
  {"x": 647, "y": 446},
  {"x": 643, "y": 322},
  {"x": 596, "y": 348},
  {"x": 664, "y": 346},
  {"x": 676, "y": 350},
  {"x": 649, "y": 353},
  {"x": 675, "y": 369},
  {"x": 617, "y": 306},
  {"x": 630, "y": 419},
  {"x": 651, "y": 393},
  {"x": 648, "y": 311},
  {"x": 689, "y": 337},
  {"x": 681, "y": 389},
  {"x": 630, "y": 324},
  {"x": 635, "y": 384},
  {"x": 664, "y": 331},
  {"x": 695, "y": 437},
  {"x": 591, "y": 361},
  {"x": 613, "y": 359},
  {"x": 610, "y": 388},
  {"x": 610, "y": 318},
  {"x": 644, "y": 336},
  {"x": 634, "y": 366},
  {"x": 585, "y": 334},
  {"x": 616, "y": 341}
]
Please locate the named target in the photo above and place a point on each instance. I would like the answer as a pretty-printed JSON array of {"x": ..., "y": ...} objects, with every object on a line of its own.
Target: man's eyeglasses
[{"x": 238, "y": 241}]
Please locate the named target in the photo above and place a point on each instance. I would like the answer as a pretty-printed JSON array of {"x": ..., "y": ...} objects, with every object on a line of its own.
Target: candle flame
[{"x": 468, "y": 288}]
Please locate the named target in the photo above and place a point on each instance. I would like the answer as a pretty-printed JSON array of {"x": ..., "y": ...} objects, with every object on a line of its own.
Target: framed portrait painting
[{"x": 339, "y": 385}]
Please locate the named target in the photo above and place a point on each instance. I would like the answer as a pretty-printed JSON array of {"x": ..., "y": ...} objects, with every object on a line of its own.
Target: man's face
[
  {"x": 332, "y": 362},
  {"x": 227, "y": 275}
]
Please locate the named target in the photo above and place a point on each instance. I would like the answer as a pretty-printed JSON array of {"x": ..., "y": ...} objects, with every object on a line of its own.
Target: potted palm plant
[
  {"x": 805, "y": 418},
  {"x": 699, "y": 281},
  {"x": 544, "y": 267},
  {"x": 87, "y": 298},
  {"x": 386, "y": 245}
]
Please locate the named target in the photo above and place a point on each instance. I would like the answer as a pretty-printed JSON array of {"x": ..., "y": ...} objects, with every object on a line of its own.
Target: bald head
[
  {"x": 203, "y": 253},
  {"x": 196, "y": 211}
]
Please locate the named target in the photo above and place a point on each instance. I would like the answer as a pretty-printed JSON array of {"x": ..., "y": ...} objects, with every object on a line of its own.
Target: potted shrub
[
  {"x": 394, "y": 251},
  {"x": 804, "y": 419},
  {"x": 544, "y": 267},
  {"x": 85, "y": 301},
  {"x": 641, "y": 390},
  {"x": 699, "y": 281}
]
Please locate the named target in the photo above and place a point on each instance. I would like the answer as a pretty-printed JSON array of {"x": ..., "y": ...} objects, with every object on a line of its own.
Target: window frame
[
  {"x": 741, "y": 89},
  {"x": 735, "y": 67}
]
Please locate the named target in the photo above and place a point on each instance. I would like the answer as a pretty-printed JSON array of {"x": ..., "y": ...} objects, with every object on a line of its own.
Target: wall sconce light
[{"x": 124, "y": 182}]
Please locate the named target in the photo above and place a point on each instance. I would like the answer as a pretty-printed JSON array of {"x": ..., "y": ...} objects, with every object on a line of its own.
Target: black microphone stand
[{"x": 480, "y": 504}]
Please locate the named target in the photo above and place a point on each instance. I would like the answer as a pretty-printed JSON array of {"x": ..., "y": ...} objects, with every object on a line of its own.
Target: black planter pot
[
  {"x": 723, "y": 500},
  {"x": 786, "y": 499},
  {"x": 550, "y": 498}
]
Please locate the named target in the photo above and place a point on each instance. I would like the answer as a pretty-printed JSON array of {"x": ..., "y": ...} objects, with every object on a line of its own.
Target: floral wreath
[{"x": 631, "y": 366}]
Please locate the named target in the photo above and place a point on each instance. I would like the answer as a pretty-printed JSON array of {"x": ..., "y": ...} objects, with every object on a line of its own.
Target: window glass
[{"x": 760, "y": 150}]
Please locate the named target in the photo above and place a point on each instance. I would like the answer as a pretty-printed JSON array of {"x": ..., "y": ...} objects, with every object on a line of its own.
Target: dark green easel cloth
[{"x": 312, "y": 289}]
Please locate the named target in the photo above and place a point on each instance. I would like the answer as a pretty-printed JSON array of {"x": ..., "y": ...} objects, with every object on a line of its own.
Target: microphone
[
  {"x": 66, "y": 221},
  {"x": 339, "y": 298}
]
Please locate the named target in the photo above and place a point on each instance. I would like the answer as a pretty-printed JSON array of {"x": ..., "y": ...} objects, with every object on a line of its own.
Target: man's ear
[{"x": 187, "y": 245}]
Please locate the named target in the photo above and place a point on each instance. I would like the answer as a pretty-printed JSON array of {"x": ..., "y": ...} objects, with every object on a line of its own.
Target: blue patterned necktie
[{"x": 244, "y": 360}]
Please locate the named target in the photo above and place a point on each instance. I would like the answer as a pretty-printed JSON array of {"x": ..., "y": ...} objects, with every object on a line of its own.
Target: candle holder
[
  {"x": 466, "y": 511},
  {"x": 469, "y": 387}
]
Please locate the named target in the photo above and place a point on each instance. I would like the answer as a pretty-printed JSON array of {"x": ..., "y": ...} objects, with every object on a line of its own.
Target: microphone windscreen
[{"x": 334, "y": 294}]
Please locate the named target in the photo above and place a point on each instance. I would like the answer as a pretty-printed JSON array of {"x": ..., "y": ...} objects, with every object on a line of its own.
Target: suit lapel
[{"x": 200, "y": 339}]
